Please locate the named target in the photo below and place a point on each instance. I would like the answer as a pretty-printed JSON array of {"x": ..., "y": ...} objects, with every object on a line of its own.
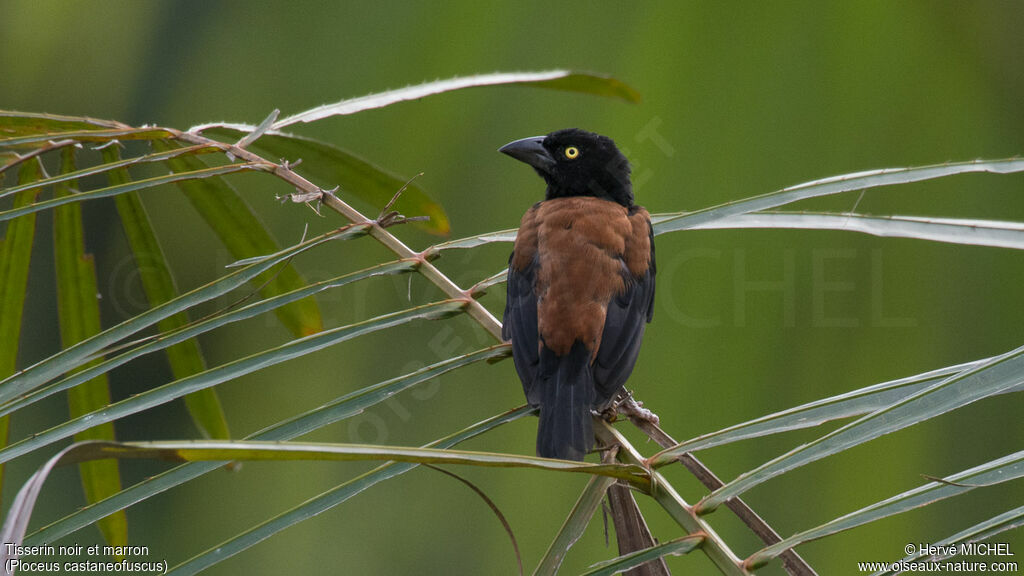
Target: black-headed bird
[{"x": 580, "y": 285}]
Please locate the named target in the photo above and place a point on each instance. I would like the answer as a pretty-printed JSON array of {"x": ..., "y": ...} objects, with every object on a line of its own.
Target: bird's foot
[
  {"x": 609, "y": 414},
  {"x": 634, "y": 409}
]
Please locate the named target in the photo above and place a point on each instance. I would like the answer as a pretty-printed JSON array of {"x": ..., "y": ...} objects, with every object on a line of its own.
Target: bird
[{"x": 580, "y": 287}]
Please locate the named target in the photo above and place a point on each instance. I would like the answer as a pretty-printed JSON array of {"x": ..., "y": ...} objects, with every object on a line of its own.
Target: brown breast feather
[{"x": 584, "y": 243}]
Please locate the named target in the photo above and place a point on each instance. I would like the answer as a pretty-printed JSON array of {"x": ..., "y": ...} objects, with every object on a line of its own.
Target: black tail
[{"x": 566, "y": 389}]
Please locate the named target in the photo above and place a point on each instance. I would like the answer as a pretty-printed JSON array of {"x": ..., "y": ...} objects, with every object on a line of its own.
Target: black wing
[
  {"x": 628, "y": 314},
  {"x": 520, "y": 324}
]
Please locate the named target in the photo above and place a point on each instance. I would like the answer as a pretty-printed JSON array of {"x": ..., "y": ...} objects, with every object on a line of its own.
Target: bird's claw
[
  {"x": 634, "y": 409},
  {"x": 609, "y": 414}
]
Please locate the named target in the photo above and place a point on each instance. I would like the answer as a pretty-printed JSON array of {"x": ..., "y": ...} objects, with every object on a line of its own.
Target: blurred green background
[{"x": 739, "y": 99}]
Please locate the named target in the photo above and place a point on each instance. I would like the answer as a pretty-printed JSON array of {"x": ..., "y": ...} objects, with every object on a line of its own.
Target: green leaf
[
  {"x": 676, "y": 547},
  {"x": 553, "y": 79},
  {"x": 259, "y": 130},
  {"x": 836, "y": 185},
  {"x": 229, "y": 371},
  {"x": 341, "y": 408},
  {"x": 79, "y": 314},
  {"x": 124, "y": 188},
  {"x": 185, "y": 357},
  {"x": 574, "y": 525},
  {"x": 67, "y": 359},
  {"x": 334, "y": 166},
  {"x": 201, "y": 327},
  {"x": 106, "y": 167},
  {"x": 993, "y": 233},
  {"x": 88, "y": 136},
  {"x": 854, "y": 403},
  {"x": 15, "y": 257},
  {"x": 8, "y": 159},
  {"x": 995, "y": 472},
  {"x": 596, "y": 84},
  {"x": 481, "y": 287},
  {"x": 244, "y": 235},
  {"x": 356, "y": 402},
  {"x": 736, "y": 214},
  {"x": 992, "y": 377},
  {"x": 331, "y": 498},
  {"x": 22, "y": 123},
  {"x": 474, "y": 241},
  {"x": 980, "y": 532},
  {"x": 20, "y": 511},
  {"x": 250, "y": 450}
]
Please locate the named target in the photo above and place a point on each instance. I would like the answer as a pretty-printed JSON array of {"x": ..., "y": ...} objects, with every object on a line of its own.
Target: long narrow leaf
[
  {"x": 14, "y": 123},
  {"x": 331, "y": 498},
  {"x": 344, "y": 407},
  {"x": 574, "y": 525},
  {"x": 20, "y": 511},
  {"x": 993, "y": 233},
  {"x": 109, "y": 166},
  {"x": 998, "y": 374},
  {"x": 555, "y": 79},
  {"x": 124, "y": 188},
  {"x": 229, "y": 371},
  {"x": 258, "y": 131},
  {"x": 9, "y": 158},
  {"x": 15, "y": 257},
  {"x": 474, "y": 241},
  {"x": 221, "y": 450},
  {"x": 962, "y": 541},
  {"x": 486, "y": 284},
  {"x": 79, "y": 315},
  {"x": 88, "y": 136},
  {"x": 334, "y": 166},
  {"x": 676, "y": 547},
  {"x": 66, "y": 359},
  {"x": 988, "y": 474},
  {"x": 839, "y": 184},
  {"x": 855, "y": 403},
  {"x": 192, "y": 330},
  {"x": 185, "y": 358},
  {"x": 239, "y": 229},
  {"x": 356, "y": 402}
]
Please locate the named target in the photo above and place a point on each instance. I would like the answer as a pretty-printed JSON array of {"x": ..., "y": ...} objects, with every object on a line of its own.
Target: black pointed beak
[{"x": 532, "y": 151}]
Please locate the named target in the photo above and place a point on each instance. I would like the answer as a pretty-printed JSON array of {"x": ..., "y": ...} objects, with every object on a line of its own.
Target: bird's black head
[{"x": 575, "y": 162}]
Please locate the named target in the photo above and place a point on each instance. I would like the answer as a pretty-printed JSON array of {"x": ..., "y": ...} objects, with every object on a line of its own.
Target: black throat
[{"x": 612, "y": 188}]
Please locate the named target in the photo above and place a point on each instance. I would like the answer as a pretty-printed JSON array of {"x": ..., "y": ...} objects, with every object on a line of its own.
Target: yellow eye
[{"x": 572, "y": 152}]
